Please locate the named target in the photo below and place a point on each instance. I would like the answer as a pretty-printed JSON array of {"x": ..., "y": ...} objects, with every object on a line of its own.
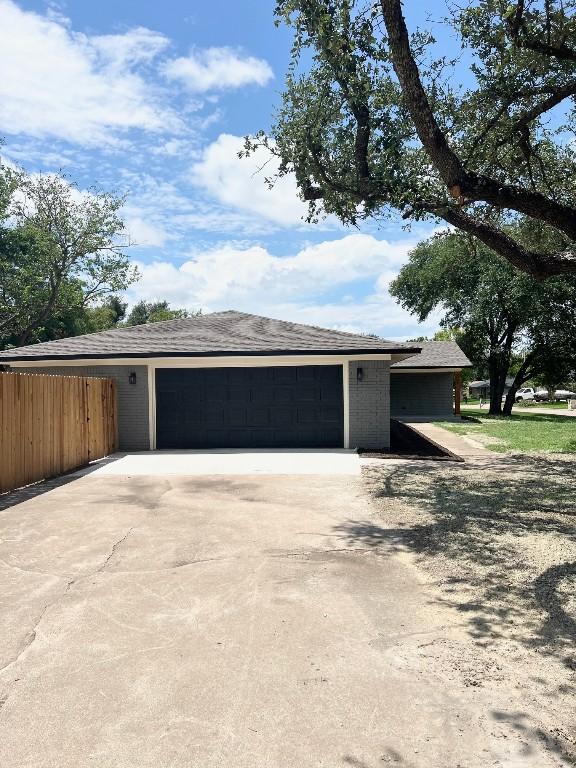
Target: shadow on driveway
[{"x": 20, "y": 495}]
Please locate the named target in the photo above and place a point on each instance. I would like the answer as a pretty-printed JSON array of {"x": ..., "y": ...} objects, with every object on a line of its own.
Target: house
[
  {"x": 481, "y": 388},
  {"x": 230, "y": 379}
]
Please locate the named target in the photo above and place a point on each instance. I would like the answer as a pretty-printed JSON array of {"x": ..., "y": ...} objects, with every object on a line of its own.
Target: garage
[
  {"x": 234, "y": 380},
  {"x": 259, "y": 407}
]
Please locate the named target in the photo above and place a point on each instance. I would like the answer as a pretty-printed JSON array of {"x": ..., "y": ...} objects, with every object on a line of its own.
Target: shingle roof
[
  {"x": 486, "y": 383},
  {"x": 215, "y": 334},
  {"x": 436, "y": 354}
]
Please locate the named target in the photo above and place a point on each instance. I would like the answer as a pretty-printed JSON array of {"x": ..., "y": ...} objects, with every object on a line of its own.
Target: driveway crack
[
  {"x": 114, "y": 549},
  {"x": 31, "y": 636}
]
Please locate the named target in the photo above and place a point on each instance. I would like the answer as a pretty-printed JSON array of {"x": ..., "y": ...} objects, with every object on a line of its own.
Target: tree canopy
[
  {"x": 155, "y": 312},
  {"x": 61, "y": 251},
  {"x": 504, "y": 316},
  {"x": 373, "y": 120}
]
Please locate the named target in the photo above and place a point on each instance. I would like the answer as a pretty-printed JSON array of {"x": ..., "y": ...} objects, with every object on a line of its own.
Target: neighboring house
[
  {"x": 481, "y": 388},
  {"x": 230, "y": 379}
]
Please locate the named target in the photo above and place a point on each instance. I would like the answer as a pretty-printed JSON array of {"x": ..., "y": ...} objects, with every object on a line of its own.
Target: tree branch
[
  {"x": 539, "y": 265},
  {"x": 559, "y": 51},
  {"x": 462, "y": 184},
  {"x": 556, "y": 97},
  {"x": 429, "y": 132}
]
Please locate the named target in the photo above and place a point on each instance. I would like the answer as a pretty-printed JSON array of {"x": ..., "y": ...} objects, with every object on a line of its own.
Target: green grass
[
  {"x": 557, "y": 405},
  {"x": 522, "y": 432}
]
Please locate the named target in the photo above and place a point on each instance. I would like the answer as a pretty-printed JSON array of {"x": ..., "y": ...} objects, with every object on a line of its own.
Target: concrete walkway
[{"x": 462, "y": 446}]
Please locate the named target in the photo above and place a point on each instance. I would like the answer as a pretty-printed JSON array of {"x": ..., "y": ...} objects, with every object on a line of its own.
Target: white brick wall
[{"x": 370, "y": 404}]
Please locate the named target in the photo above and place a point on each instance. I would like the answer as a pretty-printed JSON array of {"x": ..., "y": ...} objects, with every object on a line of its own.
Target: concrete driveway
[
  {"x": 235, "y": 462},
  {"x": 203, "y": 621}
]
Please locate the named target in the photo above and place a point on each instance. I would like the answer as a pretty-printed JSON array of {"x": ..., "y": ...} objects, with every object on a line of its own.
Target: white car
[
  {"x": 564, "y": 394},
  {"x": 525, "y": 393}
]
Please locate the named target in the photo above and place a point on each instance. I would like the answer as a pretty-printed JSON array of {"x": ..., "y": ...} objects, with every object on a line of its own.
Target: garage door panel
[
  {"x": 237, "y": 417},
  {"x": 276, "y": 406},
  {"x": 214, "y": 416},
  {"x": 308, "y": 414},
  {"x": 282, "y": 416},
  {"x": 308, "y": 393},
  {"x": 258, "y": 416},
  {"x": 285, "y": 375},
  {"x": 330, "y": 414},
  {"x": 283, "y": 395},
  {"x": 214, "y": 393},
  {"x": 238, "y": 394}
]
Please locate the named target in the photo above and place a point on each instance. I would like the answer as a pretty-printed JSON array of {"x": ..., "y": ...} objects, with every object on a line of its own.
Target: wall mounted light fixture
[
  {"x": 132, "y": 378},
  {"x": 359, "y": 374}
]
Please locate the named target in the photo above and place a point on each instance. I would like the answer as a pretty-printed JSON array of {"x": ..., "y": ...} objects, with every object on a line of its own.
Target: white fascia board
[
  {"x": 424, "y": 370},
  {"x": 235, "y": 361}
]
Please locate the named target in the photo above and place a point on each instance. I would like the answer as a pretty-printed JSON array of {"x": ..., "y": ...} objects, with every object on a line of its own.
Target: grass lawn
[
  {"x": 522, "y": 432},
  {"x": 558, "y": 405}
]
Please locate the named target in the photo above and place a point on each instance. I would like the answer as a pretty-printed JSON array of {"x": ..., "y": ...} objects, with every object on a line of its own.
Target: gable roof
[
  {"x": 212, "y": 335},
  {"x": 436, "y": 354}
]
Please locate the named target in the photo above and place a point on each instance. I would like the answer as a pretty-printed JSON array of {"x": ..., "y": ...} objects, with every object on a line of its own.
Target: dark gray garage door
[{"x": 283, "y": 407}]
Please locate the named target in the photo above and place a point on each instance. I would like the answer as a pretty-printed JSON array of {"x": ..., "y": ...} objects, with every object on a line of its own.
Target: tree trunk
[
  {"x": 510, "y": 399},
  {"x": 524, "y": 373},
  {"x": 496, "y": 389}
]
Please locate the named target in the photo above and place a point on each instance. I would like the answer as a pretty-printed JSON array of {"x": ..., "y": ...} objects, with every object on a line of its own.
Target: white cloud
[
  {"x": 217, "y": 69},
  {"x": 168, "y": 205},
  {"x": 143, "y": 233},
  {"x": 240, "y": 183},
  {"x": 309, "y": 287},
  {"x": 93, "y": 89},
  {"x": 83, "y": 89},
  {"x": 136, "y": 46}
]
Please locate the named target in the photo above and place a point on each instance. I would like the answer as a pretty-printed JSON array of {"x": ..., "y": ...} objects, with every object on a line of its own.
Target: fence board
[{"x": 53, "y": 424}]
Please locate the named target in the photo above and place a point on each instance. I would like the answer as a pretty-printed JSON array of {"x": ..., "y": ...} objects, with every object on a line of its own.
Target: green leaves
[
  {"x": 496, "y": 149},
  {"x": 60, "y": 250},
  {"x": 500, "y": 310}
]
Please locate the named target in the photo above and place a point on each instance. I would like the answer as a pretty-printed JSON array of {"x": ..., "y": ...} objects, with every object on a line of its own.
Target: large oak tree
[
  {"x": 374, "y": 119},
  {"x": 509, "y": 323}
]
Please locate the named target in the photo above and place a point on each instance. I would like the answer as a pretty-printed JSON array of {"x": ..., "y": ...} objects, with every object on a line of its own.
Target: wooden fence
[{"x": 52, "y": 424}]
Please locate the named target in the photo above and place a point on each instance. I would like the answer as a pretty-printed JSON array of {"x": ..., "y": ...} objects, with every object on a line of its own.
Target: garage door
[{"x": 283, "y": 407}]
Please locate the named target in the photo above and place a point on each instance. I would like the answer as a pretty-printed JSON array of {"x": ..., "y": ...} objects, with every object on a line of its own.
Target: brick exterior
[
  {"x": 421, "y": 394},
  {"x": 133, "y": 429},
  {"x": 369, "y": 403}
]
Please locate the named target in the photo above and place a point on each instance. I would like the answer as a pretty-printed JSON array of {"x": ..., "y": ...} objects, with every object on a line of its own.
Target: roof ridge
[{"x": 316, "y": 327}]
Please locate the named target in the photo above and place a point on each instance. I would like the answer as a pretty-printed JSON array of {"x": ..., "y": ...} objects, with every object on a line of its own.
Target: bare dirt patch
[{"x": 497, "y": 538}]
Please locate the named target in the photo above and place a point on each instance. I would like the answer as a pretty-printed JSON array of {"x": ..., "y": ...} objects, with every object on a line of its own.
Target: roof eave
[
  {"x": 225, "y": 353},
  {"x": 433, "y": 365}
]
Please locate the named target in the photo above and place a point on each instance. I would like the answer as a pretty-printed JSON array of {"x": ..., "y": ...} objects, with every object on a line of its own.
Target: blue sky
[{"x": 152, "y": 99}]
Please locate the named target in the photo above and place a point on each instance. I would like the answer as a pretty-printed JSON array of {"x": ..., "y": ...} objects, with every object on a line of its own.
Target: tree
[
  {"x": 155, "y": 312},
  {"x": 371, "y": 123},
  {"x": 60, "y": 251},
  {"x": 503, "y": 314}
]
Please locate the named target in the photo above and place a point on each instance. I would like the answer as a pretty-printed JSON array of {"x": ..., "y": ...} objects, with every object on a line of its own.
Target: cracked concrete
[{"x": 195, "y": 622}]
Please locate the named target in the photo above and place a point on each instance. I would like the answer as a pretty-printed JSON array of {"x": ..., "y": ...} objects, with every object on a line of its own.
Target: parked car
[
  {"x": 541, "y": 395},
  {"x": 525, "y": 393},
  {"x": 564, "y": 394}
]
